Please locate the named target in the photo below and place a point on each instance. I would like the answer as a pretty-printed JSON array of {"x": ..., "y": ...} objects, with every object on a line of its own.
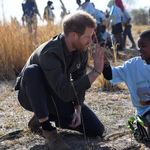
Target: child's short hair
[{"x": 145, "y": 34}]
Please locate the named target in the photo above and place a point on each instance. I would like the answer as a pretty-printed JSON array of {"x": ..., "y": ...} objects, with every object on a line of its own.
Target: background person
[
  {"x": 48, "y": 13},
  {"x": 127, "y": 29},
  {"x": 88, "y": 7},
  {"x": 30, "y": 11},
  {"x": 106, "y": 37},
  {"x": 79, "y": 4},
  {"x": 52, "y": 84},
  {"x": 116, "y": 23},
  {"x": 119, "y": 4},
  {"x": 99, "y": 18}
]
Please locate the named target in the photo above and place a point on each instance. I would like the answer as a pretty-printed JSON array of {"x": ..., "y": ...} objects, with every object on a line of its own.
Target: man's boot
[
  {"x": 34, "y": 124},
  {"x": 54, "y": 142}
]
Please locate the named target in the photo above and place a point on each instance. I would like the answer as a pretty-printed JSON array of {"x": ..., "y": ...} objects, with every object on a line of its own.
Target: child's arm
[{"x": 107, "y": 72}]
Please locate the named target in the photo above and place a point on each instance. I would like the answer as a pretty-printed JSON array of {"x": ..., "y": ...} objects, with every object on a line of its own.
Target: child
[
  {"x": 106, "y": 37},
  {"x": 136, "y": 74}
]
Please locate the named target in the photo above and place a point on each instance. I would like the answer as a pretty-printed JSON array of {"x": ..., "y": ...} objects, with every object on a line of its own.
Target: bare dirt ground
[{"x": 113, "y": 107}]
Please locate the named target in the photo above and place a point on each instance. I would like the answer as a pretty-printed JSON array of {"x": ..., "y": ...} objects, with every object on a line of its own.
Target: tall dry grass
[{"x": 16, "y": 46}]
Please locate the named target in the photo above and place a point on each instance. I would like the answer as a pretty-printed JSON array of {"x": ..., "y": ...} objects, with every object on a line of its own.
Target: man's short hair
[
  {"x": 77, "y": 22},
  {"x": 145, "y": 34}
]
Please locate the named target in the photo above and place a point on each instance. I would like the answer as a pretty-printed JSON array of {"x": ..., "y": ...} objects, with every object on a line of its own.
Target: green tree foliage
[{"x": 140, "y": 16}]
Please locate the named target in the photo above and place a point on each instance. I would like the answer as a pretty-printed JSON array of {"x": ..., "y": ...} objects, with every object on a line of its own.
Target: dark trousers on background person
[
  {"x": 34, "y": 97},
  {"x": 127, "y": 32}
]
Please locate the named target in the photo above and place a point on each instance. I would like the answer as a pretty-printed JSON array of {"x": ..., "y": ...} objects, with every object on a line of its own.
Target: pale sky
[{"x": 13, "y": 7}]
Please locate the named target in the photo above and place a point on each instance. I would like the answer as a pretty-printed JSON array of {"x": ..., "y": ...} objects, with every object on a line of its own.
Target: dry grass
[{"x": 16, "y": 46}]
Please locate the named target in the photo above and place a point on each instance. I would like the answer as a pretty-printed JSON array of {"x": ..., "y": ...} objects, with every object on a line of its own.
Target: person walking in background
[
  {"x": 30, "y": 11},
  {"x": 53, "y": 82},
  {"x": 79, "y": 4},
  {"x": 48, "y": 13},
  {"x": 88, "y": 7},
  {"x": 116, "y": 23},
  {"x": 127, "y": 29}
]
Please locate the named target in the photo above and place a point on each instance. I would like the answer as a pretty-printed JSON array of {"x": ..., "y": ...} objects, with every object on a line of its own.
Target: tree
[{"x": 140, "y": 16}]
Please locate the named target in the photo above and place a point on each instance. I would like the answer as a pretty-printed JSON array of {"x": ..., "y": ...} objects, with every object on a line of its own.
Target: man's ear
[{"x": 74, "y": 35}]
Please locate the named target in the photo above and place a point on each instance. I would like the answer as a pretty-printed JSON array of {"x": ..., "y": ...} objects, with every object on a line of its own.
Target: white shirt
[
  {"x": 50, "y": 15},
  {"x": 136, "y": 74},
  {"x": 90, "y": 9},
  {"x": 126, "y": 16},
  {"x": 98, "y": 15}
]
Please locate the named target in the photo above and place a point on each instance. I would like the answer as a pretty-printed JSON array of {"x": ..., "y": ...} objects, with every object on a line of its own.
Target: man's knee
[{"x": 32, "y": 70}]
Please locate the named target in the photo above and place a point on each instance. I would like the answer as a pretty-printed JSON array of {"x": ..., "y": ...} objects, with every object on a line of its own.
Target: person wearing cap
[
  {"x": 79, "y": 4},
  {"x": 48, "y": 13},
  {"x": 53, "y": 82}
]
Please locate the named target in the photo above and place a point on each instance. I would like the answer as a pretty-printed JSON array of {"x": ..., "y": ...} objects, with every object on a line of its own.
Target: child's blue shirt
[
  {"x": 126, "y": 16},
  {"x": 136, "y": 74},
  {"x": 115, "y": 11},
  {"x": 98, "y": 15}
]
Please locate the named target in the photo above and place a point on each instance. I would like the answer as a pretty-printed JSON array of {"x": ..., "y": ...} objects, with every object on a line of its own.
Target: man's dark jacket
[{"x": 59, "y": 66}]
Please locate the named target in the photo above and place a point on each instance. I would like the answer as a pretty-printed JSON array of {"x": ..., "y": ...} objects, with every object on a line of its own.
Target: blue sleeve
[
  {"x": 117, "y": 75},
  {"x": 120, "y": 73},
  {"x": 127, "y": 15}
]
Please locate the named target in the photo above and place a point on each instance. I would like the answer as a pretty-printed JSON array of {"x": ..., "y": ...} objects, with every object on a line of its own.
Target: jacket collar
[{"x": 65, "y": 48}]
